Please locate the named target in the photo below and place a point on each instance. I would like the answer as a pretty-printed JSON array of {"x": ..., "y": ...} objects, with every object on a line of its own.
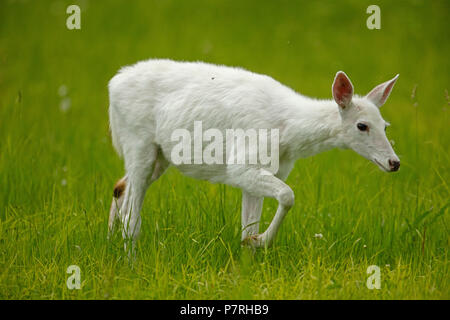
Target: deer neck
[{"x": 314, "y": 126}]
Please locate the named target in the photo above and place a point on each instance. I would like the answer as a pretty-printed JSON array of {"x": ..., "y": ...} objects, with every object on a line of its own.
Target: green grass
[{"x": 57, "y": 168}]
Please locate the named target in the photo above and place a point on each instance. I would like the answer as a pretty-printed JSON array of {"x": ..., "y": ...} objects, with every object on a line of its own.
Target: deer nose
[{"x": 394, "y": 164}]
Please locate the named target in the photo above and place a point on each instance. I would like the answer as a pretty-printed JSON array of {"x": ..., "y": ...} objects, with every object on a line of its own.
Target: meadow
[{"x": 58, "y": 167}]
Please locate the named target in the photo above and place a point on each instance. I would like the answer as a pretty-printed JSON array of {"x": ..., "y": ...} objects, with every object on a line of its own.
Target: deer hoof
[{"x": 255, "y": 240}]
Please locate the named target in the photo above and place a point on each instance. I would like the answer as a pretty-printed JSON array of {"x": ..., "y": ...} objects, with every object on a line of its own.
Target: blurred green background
[{"x": 57, "y": 165}]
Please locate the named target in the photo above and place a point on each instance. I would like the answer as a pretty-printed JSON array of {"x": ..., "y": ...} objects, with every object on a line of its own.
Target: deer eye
[{"x": 362, "y": 126}]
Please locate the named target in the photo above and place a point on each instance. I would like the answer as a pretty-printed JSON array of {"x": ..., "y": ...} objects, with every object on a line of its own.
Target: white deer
[{"x": 151, "y": 99}]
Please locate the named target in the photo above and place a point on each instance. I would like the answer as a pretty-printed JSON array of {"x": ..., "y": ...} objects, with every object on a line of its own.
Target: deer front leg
[
  {"x": 251, "y": 214},
  {"x": 257, "y": 184}
]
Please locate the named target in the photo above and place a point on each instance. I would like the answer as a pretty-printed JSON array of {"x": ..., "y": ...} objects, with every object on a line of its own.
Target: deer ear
[
  {"x": 342, "y": 89},
  {"x": 380, "y": 93}
]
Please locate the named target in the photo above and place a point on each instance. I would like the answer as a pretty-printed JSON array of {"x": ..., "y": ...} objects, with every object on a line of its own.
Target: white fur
[{"x": 152, "y": 98}]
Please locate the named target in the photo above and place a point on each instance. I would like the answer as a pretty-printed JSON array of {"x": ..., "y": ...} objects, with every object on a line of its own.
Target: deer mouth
[{"x": 380, "y": 165}]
